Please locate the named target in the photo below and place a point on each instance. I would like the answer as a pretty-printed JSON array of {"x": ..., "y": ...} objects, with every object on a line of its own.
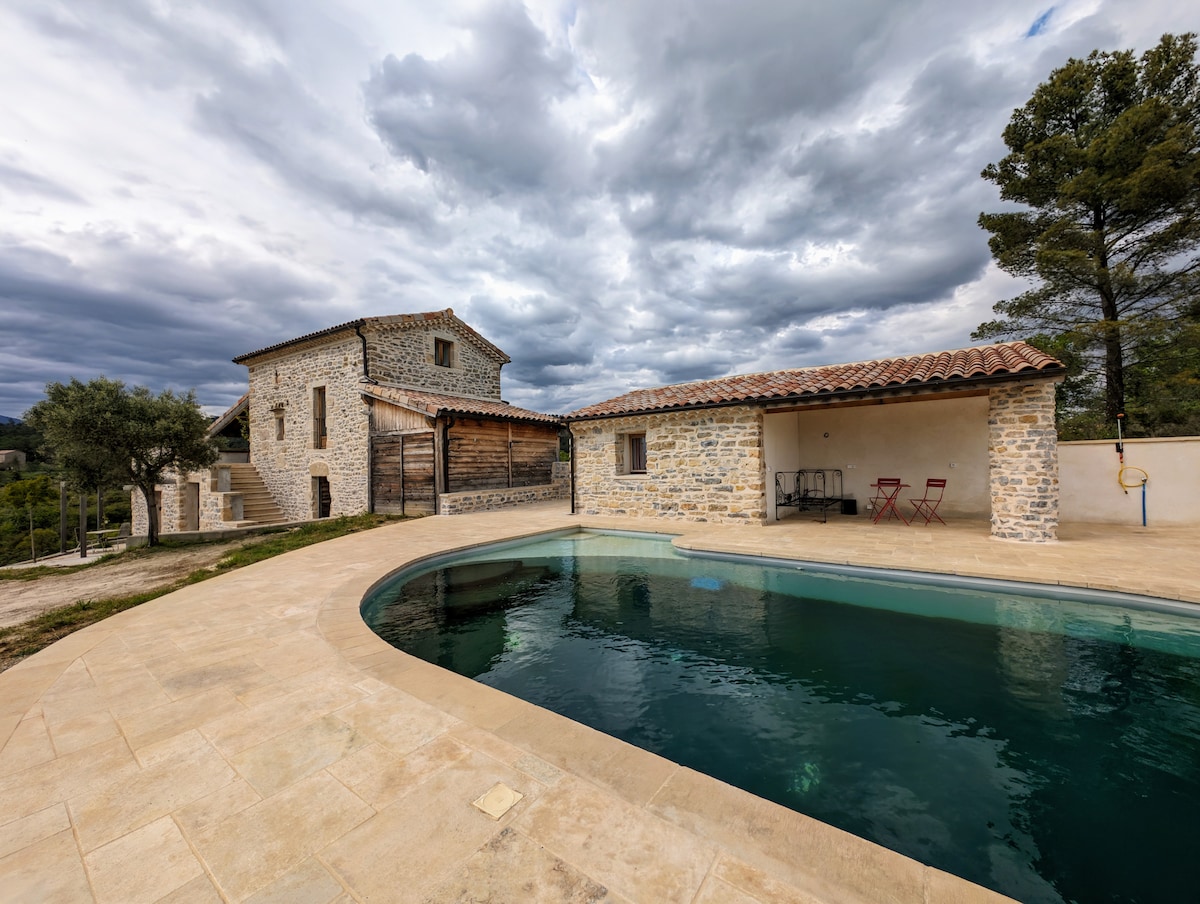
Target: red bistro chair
[
  {"x": 887, "y": 491},
  {"x": 927, "y": 506}
]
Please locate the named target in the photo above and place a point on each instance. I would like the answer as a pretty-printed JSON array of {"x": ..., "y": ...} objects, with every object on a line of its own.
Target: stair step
[{"x": 258, "y": 504}]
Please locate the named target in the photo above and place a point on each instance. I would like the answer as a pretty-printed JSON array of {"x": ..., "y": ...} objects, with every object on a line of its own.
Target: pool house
[{"x": 724, "y": 450}]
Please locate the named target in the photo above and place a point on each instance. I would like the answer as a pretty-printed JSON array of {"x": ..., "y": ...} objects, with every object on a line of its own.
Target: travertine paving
[{"x": 249, "y": 739}]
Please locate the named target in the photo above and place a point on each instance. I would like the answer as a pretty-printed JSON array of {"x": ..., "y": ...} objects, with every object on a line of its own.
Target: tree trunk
[
  {"x": 1114, "y": 359},
  {"x": 151, "y": 515},
  {"x": 1114, "y": 372}
]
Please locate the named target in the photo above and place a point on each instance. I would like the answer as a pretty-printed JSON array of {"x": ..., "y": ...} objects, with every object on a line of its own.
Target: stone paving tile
[
  {"x": 82, "y": 771},
  {"x": 28, "y": 745},
  {"x": 622, "y": 846},
  {"x": 76, "y": 731},
  {"x": 632, "y": 773},
  {"x": 237, "y": 673},
  {"x": 150, "y": 726},
  {"x": 198, "y": 891},
  {"x": 940, "y": 886},
  {"x": 801, "y": 851},
  {"x": 18, "y": 834},
  {"x": 380, "y": 776},
  {"x": 250, "y": 849},
  {"x": 202, "y": 815},
  {"x": 410, "y": 847},
  {"x": 287, "y": 758},
  {"x": 511, "y": 867},
  {"x": 132, "y": 694},
  {"x": 246, "y": 726},
  {"x": 147, "y": 795},
  {"x": 143, "y": 865},
  {"x": 398, "y": 721},
  {"x": 744, "y": 879},
  {"x": 714, "y": 891},
  {"x": 309, "y": 883},
  {"x": 458, "y": 695},
  {"x": 170, "y": 748},
  {"x": 48, "y": 872},
  {"x": 487, "y": 743}
]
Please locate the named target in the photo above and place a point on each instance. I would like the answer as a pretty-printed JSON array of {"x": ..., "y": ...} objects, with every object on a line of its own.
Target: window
[
  {"x": 320, "y": 436},
  {"x": 443, "y": 352},
  {"x": 279, "y": 425},
  {"x": 635, "y": 453}
]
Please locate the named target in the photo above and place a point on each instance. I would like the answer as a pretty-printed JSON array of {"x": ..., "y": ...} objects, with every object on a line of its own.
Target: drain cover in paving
[{"x": 498, "y": 801}]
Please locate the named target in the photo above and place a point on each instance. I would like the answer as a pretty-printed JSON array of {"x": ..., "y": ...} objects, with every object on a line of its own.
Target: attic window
[{"x": 443, "y": 352}]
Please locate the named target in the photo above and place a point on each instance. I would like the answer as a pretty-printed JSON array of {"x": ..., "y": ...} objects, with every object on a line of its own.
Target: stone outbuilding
[
  {"x": 399, "y": 414},
  {"x": 716, "y": 450}
]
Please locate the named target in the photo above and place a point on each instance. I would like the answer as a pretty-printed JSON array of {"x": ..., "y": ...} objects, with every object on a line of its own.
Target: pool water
[{"x": 1045, "y": 748}]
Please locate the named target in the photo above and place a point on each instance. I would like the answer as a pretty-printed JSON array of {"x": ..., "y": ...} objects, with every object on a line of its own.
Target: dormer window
[{"x": 443, "y": 352}]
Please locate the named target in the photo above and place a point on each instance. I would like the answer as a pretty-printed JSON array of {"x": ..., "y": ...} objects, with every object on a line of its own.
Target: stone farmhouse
[
  {"x": 403, "y": 414},
  {"x": 982, "y": 418},
  {"x": 398, "y": 414}
]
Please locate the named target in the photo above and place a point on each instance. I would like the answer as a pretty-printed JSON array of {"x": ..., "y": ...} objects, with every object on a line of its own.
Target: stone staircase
[{"x": 258, "y": 505}]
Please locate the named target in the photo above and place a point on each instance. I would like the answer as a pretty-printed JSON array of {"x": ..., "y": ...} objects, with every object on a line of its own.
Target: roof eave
[
  {"x": 299, "y": 340},
  {"x": 935, "y": 386},
  {"x": 442, "y": 411}
]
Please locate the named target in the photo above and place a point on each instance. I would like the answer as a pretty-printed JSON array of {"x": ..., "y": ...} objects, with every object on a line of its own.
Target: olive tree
[{"x": 101, "y": 432}]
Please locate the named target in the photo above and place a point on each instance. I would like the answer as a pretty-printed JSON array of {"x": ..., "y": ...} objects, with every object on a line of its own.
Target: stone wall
[
  {"x": 403, "y": 354},
  {"x": 700, "y": 466},
  {"x": 490, "y": 500},
  {"x": 213, "y": 504},
  {"x": 283, "y": 384},
  {"x": 1023, "y": 461}
]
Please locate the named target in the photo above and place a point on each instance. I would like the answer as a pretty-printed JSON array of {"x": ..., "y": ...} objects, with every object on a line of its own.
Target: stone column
[{"x": 1023, "y": 462}]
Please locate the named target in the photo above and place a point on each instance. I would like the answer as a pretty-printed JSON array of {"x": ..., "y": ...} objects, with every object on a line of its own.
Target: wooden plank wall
[
  {"x": 489, "y": 455},
  {"x": 402, "y": 474},
  {"x": 388, "y": 418}
]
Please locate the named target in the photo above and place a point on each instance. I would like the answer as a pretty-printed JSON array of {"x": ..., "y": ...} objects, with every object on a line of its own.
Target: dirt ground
[{"x": 22, "y": 600}]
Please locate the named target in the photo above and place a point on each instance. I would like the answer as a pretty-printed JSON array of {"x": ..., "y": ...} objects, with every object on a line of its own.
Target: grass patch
[{"x": 23, "y": 640}]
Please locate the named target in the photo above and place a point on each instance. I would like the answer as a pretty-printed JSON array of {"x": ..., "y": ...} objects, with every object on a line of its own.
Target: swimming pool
[{"x": 1043, "y": 746}]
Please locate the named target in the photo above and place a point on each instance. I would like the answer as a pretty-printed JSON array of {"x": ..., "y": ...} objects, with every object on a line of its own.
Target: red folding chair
[
  {"x": 927, "y": 506},
  {"x": 887, "y": 491}
]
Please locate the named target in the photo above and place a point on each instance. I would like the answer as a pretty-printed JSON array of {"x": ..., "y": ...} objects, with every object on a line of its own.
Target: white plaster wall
[
  {"x": 910, "y": 440},
  {"x": 1090, "y": 492}
]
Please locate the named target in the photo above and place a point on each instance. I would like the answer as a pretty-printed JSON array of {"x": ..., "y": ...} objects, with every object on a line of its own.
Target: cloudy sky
[{"x": 619, "y": 194}]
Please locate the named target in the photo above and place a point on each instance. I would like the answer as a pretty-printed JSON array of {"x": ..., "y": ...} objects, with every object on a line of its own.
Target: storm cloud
[{"x": 618, "y": 195}]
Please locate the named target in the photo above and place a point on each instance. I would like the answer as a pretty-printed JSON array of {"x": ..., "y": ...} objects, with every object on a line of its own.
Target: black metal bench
[{"x": 809, "y": 489}]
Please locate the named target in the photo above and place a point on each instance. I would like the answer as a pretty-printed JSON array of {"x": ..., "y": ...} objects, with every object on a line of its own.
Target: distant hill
[{"x": 5, "y": 419}]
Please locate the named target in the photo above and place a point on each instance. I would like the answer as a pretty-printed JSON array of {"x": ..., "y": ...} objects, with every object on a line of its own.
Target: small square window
[
  {"x": 635, "y": 453},
  {"x": 443, "y": 352}
]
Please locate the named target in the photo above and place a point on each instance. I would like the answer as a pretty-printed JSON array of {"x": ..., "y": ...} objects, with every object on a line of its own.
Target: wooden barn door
[{"x": 402, "y": 474}]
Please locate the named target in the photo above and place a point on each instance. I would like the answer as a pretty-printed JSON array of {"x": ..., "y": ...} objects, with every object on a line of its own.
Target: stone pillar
[{"x": 1023, "y": 462}]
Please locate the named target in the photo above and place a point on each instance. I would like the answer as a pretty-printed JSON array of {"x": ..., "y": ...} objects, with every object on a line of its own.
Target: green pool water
[{"x": 1048, "y": 748}]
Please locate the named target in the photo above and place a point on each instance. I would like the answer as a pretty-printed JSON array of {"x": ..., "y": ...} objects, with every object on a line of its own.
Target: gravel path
[{"x": 23, "y": 600}]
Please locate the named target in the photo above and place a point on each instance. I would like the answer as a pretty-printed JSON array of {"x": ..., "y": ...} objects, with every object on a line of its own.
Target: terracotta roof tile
[
  {"x": 435, "y": 404},
  {"x": 985, "y": 361}
]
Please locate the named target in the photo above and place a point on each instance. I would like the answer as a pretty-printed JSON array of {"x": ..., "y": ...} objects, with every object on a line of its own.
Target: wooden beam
[{"x": 818, "y": 405}]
